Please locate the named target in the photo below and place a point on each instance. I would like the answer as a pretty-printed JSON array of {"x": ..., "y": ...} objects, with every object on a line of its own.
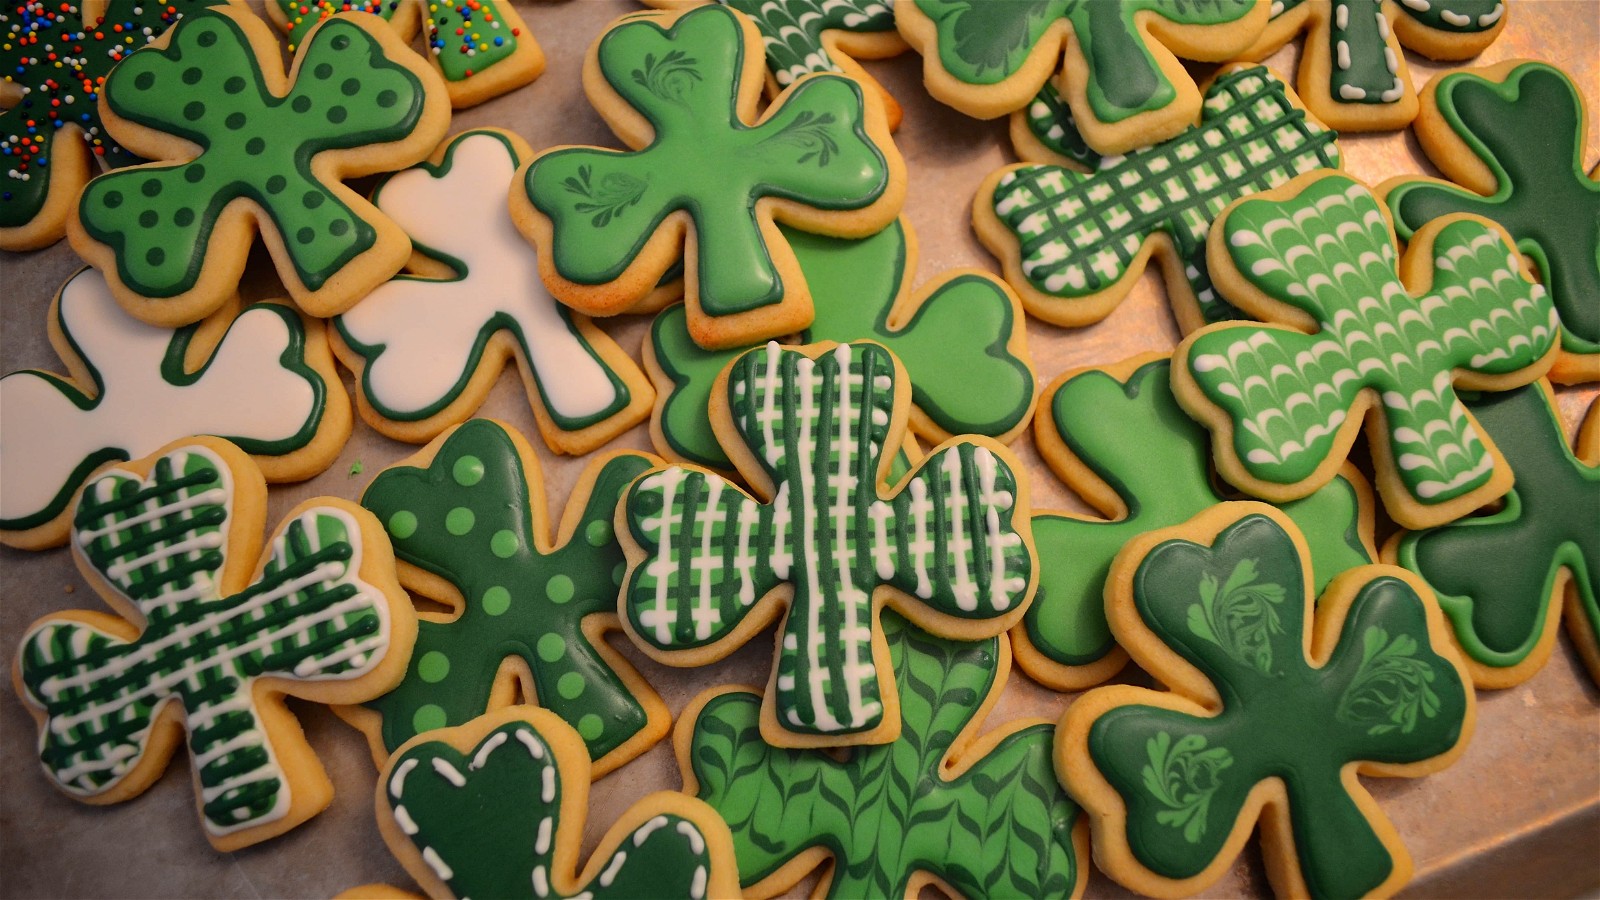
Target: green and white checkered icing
[
  {"x": 1077, "y": 234},
  {"x": 161, "y": 543},
  {"x": 1050, "y": 120},
  {"x": 791, "y": 30},
  {"x": 818, "y": 429},
  {"x": 1329, "y": 252}
]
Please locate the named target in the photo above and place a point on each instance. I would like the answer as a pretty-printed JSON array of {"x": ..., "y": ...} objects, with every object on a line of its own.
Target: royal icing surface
[
  {"x": 475, "y": 516},
  {"x": 1540, "y": 193},
  {"x": 959, "y": 344},
  {"x": 208, "y": 87},
  {"x": 423, "y": 339},
  {"x": 1549, "y": 526},
  {"x": 1288, "y": 716},
  {"x": 1072, "y": 235},
  {"x": 57, "y": 56},
  {"x": 817, "y": 429},
  {"x": 255, "y": 389},
  {"x": 981, "y": 43},
  {"x": 687, "y": 81},
  {"x": 1327, "y": 253},
  {"x": 161, "y": 545},
  {"x": 892, "y": 816},
  {"x": 503, "y": 818},
  {"x": 1099, "y": 418}
]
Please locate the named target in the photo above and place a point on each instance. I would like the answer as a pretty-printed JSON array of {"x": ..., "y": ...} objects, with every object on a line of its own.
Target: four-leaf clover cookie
[
  {"x": 1074, "y": 244},
  {"x": 1356, "y": 334},
  {"x": 481, "y": 48},
  {"x": 981, "y": 816},
  {"x": 496, "y": 808},
  {"x": 1476, "y": 126},
  {"x": 706, "y": 181},
  {"x": 1353, "y": 71},
  {"x": 1504, "y": 578},
  {"x": 242, "y": 147},
  {"x": 1117, "y": 62},
  {"x": 1274, "y": 710},
  {"x": 528, "y": 613},
  {"x": 426, "y": 351},
  {"x": 53, "y": 59},
  {"x": 1117, "y": 437},
  {"x": 961, "y": 338},
  {"x": 261, "y": 377},
  {"x": 207, "y": 640},
  {"x": 830, "y": 543}
]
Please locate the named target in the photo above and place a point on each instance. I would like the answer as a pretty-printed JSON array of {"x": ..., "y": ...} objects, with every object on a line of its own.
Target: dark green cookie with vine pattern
[
  {"x": 240, "y": 145},
  {"x": 983, "y": 816},
  {"x": 1273, "y": 712}
]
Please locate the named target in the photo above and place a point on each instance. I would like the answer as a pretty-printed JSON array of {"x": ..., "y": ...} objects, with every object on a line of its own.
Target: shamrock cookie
[
  {"x": 1475, "y": 126},
  {"x": 480, "y": 48},
  {"x": 1120, "y": 441},
  {"x": 802, "y": 37},
  {"x": 706, "y": 181},
  {"x": 426, "y": 351},
  {"x": 1353, "y": 72},
  {"x": 1505, "y": 616},
  {"x": 961, "y": 338},
  {"x": 207, "y": 640},
  {"x": 260, "y": 376},
  {"x": 1273, "y": 712},
  {"x": 495, "y": 808},
  {"x": 979, "y": 817},
  {"x": 240, "y": 146},
  {"x": 1351, "y": 339},
  {"x": 1073, "y": 244},
  {"x": 1118, "y": 62},
  {"x": 53, "y": 59},
  {"x": 528, "y": 615},
  {"x": 829, "y": 542}
]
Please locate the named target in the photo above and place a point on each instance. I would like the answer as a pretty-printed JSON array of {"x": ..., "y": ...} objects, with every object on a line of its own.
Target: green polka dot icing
[
  {"x": 558, "y": 588},
  {"x": 526, "y": 602},
  {"x": 403, "y": 524},
  {"x": 468, "y": 471},
  {"x": 428, "y": 717},
  {"x": 459, "y": 521},
  {"x": 207, "y": 87},
  {"x": 433, "y": 666},
  {"x": 591, "y": 727}
]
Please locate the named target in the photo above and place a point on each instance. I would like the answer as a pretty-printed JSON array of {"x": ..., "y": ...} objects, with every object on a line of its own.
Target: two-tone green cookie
[
  {"x": 1507, "y": 579},
  {"x": 481, "y": 48},
  {"x": 1278, "y": 702},
  {"x": 1513, "y": 139},
  {"x": 241, "y": 147},
  {"x": 707, "y": 181}
]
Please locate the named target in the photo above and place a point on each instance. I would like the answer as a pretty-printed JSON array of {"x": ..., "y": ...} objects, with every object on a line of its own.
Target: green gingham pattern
[
  {"x": 1329, "y": 253},
  {"x": 1077, "y": 233},
  {"x": 818, "y": 428},
  {"x": 791, "y": 30},
  {"x": 161, "y": 544},
  {"x": 1051, "y": 122}
]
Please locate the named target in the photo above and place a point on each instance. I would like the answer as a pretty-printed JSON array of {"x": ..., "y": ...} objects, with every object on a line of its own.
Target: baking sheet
[{"x": 1518, "y": 815}]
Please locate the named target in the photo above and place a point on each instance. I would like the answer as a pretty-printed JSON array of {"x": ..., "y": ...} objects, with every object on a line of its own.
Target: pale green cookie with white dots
[{"x": 467, "y": 518}]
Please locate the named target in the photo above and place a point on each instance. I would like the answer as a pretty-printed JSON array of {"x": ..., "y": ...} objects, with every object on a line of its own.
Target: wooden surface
[{"x": 1518, "y": 815}]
